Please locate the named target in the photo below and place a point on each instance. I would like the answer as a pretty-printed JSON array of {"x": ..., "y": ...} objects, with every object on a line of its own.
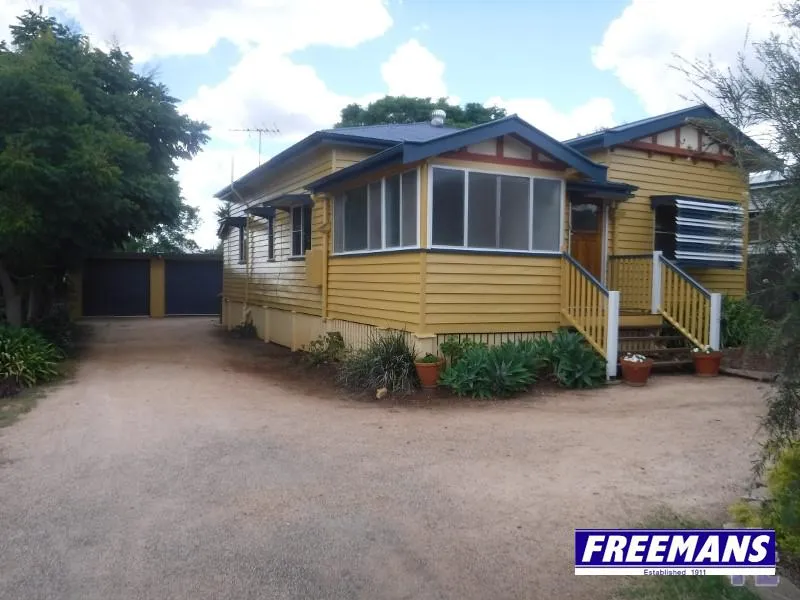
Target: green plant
[
  {"x": 575, "y": 364},
  {"x": 57, "y": 328},
  {"x": 482, "y": 372},
  {"x": 468, "y": 376},
  {"x": 327, "y": 348},
  {"x": 744, "y": 324},
  {"x": 26, "y": 357},
  {"x": 429, "y": 359},
  {"x": 245, "y": 330},
  {"x": 386, "y": 362},
  {"x": 781, "y": 510},
  {"x": 537, "y": 354},
  {"x": 453, "y": 348}
]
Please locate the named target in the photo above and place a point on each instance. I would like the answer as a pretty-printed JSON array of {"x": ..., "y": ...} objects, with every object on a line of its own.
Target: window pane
[
  {"x": 482, "y": 216},
  {"x": 409, "y": 209},
  {"x": 297, "y": 237},
  {"x": 514, "y": 213},
  {"x": 448, "y": 207},
  {"x": 374, "y": 241},
  {"x": 355, "y": 220},
  {"x": 338, "y": 224},
  {"x": 392, "y": 211},
  {"x": 546, "y": 214},
  {"x": 306, "y": 229},
  {"x": 585, "y": 217}
]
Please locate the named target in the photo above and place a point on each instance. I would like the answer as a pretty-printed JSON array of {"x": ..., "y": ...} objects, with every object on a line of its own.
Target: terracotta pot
[
  {"x": 636, "y": 373},
  {"x": 706, "y": 364},
  {"x": 428, "y": 373}
]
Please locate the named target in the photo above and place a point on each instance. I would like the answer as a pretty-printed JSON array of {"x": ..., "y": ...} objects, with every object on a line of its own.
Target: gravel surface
[{"x": 167, "y": 470}]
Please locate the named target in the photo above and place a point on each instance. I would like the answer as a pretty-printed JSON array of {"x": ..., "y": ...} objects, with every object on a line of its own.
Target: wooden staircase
[{"x": 669, "y": 350}]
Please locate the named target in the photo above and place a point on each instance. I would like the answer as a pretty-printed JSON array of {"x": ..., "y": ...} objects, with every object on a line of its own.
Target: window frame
[
  {"x": 242, "y": 245},
  {"x": 383, "y": 248},
  {"x": 530, "y": 177},
  {"x": 302, "y": 230}
]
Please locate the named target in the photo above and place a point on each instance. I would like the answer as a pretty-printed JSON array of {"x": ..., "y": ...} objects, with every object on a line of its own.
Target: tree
[
  {"x": 170, "y": 239},
  {"x": 87, "y": 155},
  {"x": 403, "y": 109},
  {"x": 759, "y": 94}
]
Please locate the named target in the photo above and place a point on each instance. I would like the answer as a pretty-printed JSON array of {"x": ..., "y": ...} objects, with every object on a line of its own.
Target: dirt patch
[{"x": 179, "y": 465}]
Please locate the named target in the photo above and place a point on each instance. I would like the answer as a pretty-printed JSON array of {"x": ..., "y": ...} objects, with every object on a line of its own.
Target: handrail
[
  {"x": 586, "y": 273},
  {"x": 687, "y": 277},
  {"x": 687, "y": 305}
]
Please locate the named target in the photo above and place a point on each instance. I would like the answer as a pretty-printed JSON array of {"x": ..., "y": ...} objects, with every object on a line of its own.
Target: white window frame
[
  {"x": 302, "y": 231},
  {"x": 531, "y": 178},
  {"x": 383, "y": 247}
]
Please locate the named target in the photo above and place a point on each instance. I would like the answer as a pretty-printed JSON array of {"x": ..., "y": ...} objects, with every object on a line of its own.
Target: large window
[
  {"x": 378, "y": 216},
  {"x": 301, "y": 230},
  {"x": 498, "y": 212}
]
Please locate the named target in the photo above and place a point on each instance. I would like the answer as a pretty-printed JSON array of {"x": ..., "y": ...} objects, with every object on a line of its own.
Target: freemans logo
[{"x": 674, "y": 552}]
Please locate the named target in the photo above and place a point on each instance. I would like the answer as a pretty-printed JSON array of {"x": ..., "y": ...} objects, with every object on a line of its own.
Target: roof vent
[{"x": 437, "y": 117}]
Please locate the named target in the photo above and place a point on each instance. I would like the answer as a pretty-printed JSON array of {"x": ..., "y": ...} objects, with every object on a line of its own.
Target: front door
[{"x": 586, "y": 235}]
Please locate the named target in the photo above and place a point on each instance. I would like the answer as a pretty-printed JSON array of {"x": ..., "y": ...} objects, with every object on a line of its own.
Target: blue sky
[{"x": 567, "y": 66}]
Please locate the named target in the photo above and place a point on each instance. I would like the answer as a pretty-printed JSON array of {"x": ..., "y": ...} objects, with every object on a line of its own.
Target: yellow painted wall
[
  {"x": 633, "y": 220},
  {"x": 477, "y": 293},
  {"x": 380, "y": 289}
]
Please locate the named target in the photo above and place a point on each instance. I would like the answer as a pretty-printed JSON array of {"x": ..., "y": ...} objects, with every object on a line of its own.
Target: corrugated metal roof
[{"x": 396, "y": 132}]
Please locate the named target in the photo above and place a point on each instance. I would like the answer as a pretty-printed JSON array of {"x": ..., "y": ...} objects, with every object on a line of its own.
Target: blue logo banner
[{"x": 675, "y": 552}]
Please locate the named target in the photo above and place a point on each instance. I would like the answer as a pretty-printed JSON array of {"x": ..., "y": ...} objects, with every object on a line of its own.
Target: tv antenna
[{"x": 260, "y": 131}]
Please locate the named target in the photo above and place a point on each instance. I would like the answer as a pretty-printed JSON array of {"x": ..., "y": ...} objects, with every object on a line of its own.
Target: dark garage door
[
  {"x": 193, "y": 286},
  {"x": 116, "y": 287}
]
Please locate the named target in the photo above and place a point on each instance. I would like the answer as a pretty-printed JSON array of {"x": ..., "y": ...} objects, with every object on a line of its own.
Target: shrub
[
  {"x": 537, "y": 354},
  {"x": 575, "y": 364},
  {"x": 57, "y": 328},
  {"x": 453, "y": 348},
  {"x": 482, "y": 372},
  {"x": 386, "y": 362},
  {"x": 325, "y": 349},
  {"x": 429, "y": 359},
  {"x": 781, "y": 511},
  {"x": 245, "y": 330},
  {"x": 26, "y": 357},
  {"x": 744, "y": 324}
]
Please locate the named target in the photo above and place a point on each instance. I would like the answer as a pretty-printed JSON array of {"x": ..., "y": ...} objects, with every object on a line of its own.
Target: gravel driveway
[{"x": 164, "y": 471}]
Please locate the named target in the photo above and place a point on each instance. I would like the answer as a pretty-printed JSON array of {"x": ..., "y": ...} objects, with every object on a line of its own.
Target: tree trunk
[{"x": 12, "y": 299}]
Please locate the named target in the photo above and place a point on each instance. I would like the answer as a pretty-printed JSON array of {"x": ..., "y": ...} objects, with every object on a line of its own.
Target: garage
[
  {"x": 193, "y": 285},
  {"x": 116, "y": 287},
  {"x": 155, "y": 285}
]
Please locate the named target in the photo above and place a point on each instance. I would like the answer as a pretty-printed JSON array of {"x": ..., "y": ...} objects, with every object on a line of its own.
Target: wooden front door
[{"x": 586, "y": 235}]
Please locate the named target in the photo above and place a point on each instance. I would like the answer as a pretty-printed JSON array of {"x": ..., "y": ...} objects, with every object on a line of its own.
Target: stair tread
[{"x": 648, "y": 338}]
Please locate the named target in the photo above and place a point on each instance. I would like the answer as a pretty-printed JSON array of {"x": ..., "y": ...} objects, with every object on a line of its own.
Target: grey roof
[
  {"x": 766, "y": 179},
  {"x": 397, "y": 132}
]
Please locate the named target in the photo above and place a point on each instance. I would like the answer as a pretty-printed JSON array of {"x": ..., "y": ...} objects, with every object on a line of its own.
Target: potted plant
[
  {"x": 636, "y": 369},
  {"x": 428, "y": 368},
  {"x": 706, "y": 361}
]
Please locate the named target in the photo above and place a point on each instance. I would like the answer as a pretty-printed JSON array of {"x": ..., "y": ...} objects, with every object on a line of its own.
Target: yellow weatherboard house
[{"x": 497, "y": 231}]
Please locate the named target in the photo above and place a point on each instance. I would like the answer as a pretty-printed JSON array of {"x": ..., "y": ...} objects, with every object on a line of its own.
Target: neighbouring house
[{"x": 498, "y": 231}]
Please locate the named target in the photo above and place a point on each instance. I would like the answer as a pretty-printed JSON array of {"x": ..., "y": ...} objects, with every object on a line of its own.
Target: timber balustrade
[
  {"x": 631, "y": 274},
  {"x": 688, "y": 306},
  {"x": 591, "y": 309}
]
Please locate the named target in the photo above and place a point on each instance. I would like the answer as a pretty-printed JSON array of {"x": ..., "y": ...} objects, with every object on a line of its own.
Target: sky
[{"x": 568, "y": 67}]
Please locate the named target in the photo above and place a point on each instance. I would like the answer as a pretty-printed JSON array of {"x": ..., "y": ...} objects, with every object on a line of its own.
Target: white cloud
[
  {"x": 586, "y": 118},
  {"x": 640, "y": 45},
  {"x": 149, "y": 28},
  {"x": 413, "y": 70}
]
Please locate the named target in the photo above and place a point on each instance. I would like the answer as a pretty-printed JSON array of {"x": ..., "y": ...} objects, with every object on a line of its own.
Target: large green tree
[
  {"x": 404, "y": 109},
  {"x": 88, "y": 151},
  {"x": 760, "y": 94}
]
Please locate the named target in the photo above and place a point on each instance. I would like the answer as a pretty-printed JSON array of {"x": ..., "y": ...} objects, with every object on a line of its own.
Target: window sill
[
  {"x": 380, "y": 251},
  {"x": 296, "y": 258},
  {"x": 492, "y": 252}
]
